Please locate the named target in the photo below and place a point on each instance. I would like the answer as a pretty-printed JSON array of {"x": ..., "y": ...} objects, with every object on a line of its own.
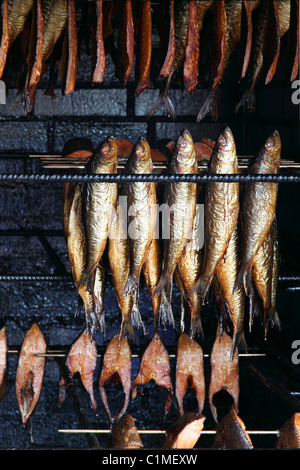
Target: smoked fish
[
  {"x": 18, "y": 11},
  {"x": 170, "y": 54},
  {"x": 30, "y": 372},
  {"x": 189, "y": 371},
  {"x": 289, "y": 434},
  {"x": 3, "y": 362},
  {"x": 68, "y": 60},
  {"x": 116, "y": 368},
  {"x": 82, "y": 360},
  {"x": 155, "y": 365},
  {"x": 258, "y": 207},
  {"x": 231, "y": 433},
  {"x": 180, "y": 200},
  {"x": 224, "y": 371},
  {"x": 125, "y": 49},
  {"x": 144, "y": 46},
  {"x": 124, "y": 434},
  {"x": 99, "y": 207},
  {"x": 181, "y": 9},
  {"x": 292, "y": 61},
  {"x": 4, "y": 46},
  {"x": 221, "y": 210},
  {"x": 99, "y": 49},
  {"x": 185, "y": 432}
]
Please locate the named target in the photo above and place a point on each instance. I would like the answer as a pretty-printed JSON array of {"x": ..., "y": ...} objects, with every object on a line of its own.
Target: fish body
[
  {"x": 155, "y": 365},
  {"x": 289, "y": 434},
  {"x": 4, "y": 46},
  {"x": 55, "y": 19},
  {"x": 18, "y": 11},
  {"x": 189, "y": 370},
  {"x": 99, "y": 49},
  {"x": 124, "y": 434},
  {"x": 30, "y": 372},
  {"x": 82, "y": 360},
  {"x": 116, "y": 367},
  {"x": 191, "y": 61},
  {"x": 224, "y": 371},
  {"x": 3, "y": 362},
  {"x": 144, "y": 54},
  {"x": 231, "y": 433},
  {"x": 68, "y": 60},
  {"x": 258, "y": 207},
  {"x": 125, "y": 50},
  {"x": 185, "y": 432},
  {"x": 292, "y": 61},
  {"x": 180, "y": 200},
  {"x": 141, "y": 200},
  {"x": 99, "y": 208},
  {"x": 221, "y": 210}
]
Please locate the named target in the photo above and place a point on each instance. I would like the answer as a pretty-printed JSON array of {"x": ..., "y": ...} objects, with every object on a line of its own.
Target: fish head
[
  {"x": 140, "y": 157},
  {"x": 184, "y": 151},
  {"x": 225, "y": 149},
  {"x": 107, "y": 152},
  {"x": 272, "y": 149}
]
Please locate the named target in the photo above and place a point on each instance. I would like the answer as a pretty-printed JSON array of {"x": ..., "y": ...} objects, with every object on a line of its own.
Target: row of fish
[
  {"x": 185, "y": 431},
  {"x": 45, "y": 36},
  {"x": 239, "y": 260}
]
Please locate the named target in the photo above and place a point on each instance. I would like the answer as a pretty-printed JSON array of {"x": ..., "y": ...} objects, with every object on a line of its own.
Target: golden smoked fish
[
  {"x": 142, "y": 209},
  {"x": 224, "y": 371},
  {"x": 3, "y": 362},
  {"x": 116, "y": 368},
  {"x": 189, "y": 371},
  {"x": 258, "y": 207},
  {"x": 231, "y": 433},
  {"x": 18, "y": 11},
  {"x": 82, "y": 360},
  {"x": 289, "y": 434},
  {"x": 30, "y": 372},
  {"x": 221, "y": 210},
  {"x": 99, "y": 208},
  {"x": 180, "y": 201},
  {"x": 124, "y": 434},
  {"x": 185, "y": 432},
  {"x": 119, "y": 262},
  {"x": 155, "y": 365}
]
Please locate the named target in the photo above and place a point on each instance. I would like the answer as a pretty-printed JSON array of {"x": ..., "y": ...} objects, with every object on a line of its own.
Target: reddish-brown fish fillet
[
  {"x": 116, "y": 368},
  {"x": 68, "y": 61},
  {"x": 144, "y": 43},
  {"x": 125, "y": 49},
  {"x": 30, "y": 372},
  {"x": 185, "y": 432},
  {"x": 5, "y": 37},
  {"x": 99, "y": 66},
  {"x": 170, "y": 56},
  {"x": 292, "y": 62}
]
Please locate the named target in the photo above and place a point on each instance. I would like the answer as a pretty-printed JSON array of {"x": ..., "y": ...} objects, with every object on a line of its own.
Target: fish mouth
[
  {"x": 184, "y": 146},
  {"x": 273, "y": 147},
  {"x": 142, "y": 149},
  {"x": 225, "y": 144},
  {"x": 108, "y": 150}
]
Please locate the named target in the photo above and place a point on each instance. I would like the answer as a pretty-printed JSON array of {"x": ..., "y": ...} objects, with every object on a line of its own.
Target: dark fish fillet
[
  {"x": 289, "y": 434},
  {"x": 124, "y": 434},
  {"x": 185, "y": 432},
  {"x": 231, "y": 433},
  {"x": 100, "y": 61},
  {"x": 144, "y": 43}
]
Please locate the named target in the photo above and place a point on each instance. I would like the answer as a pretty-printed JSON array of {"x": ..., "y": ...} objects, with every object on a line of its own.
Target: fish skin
[
  {"x": 289, "y": 434},
  {"x": 18, "y": 11},
  {"x": 124, "y": 434},
  {"x": 184, "y": 432},
  {"x": 142, "y": 204},
  {"x": 125, "y": 49},
  {"x": 170, "y": 54},
  {"x": 68, "y": 60},
  {"x": 36, "y": 70},
  {"x": 3, "y": 362},
  {"x": 189, "y": 371},
  {"x": 30, "y": 372},
  {"x": 189, "y": 269},
  {"x": 4, "y": 46},
  {"x": 231, "y": 433},
  {"x": 221, "y": 210},
  {"x": 234, "y": 302},
  {"x": 119, "y": 262},
  {"x": 258, "y": 207},
  {"x": 155, "y": 365},
  {"x": 292, "y": 62},
  {"x": 99, "y": 208},
  {"x": 100, "y": 60},
  {"x": 144, "y": 52},
  {"x": 224, "y": 371},
  {"x": 178, "y": 49},
  {"x": 177, "y": 197},
  {"x": 82, "y": 360},
  {"x": 116, "y": 367}
]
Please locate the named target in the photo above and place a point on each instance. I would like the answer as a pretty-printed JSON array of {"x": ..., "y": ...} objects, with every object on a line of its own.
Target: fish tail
[
  {"x": 92, "y": 322},
  {"x": 165, "y": 314},
  {"x": 79, "y": 306},
  {"x": 238, "y": 340},
  {"x": 136, "y": 317},
  {"x": 99, "y": 309},
  {"x": 209, "y": 106},
  {"x": 271, "y": 319},
  {"x": 126, "y": 330},
  {"x": 131, "y": 286},
  {"x": 243, "y": 280},
  {"x": 165, "y": 101},
  {"x": 196, "y": 328},
  {"x": 87, "y": 281},
  {"x": 201, "y": 287},
  {"x": 249, "y": 99}
]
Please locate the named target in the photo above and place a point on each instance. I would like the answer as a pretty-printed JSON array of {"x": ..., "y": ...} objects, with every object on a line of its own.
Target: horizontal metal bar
[
  {"x": 157, "y": 431},
  {"x": 156, "y": 178}
]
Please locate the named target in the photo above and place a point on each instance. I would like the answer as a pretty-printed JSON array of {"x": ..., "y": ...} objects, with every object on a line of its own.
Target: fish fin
[
  {"x": 131, "y": 286},
  {"x": 201, "y": 286},
  {"x": 165, "y": 101},
  {"x": 126, "y": 330},
  {"x": 248, "y": 99},
  {"x": 87, "y": 281},
  {"x": 238, "y": 340},
  {"x": 196, "y": 328},
  {"x": 209, "y": 106},
  {"x": 79, "y": 306},
  {"x": 98, "y": 306},
  {"x": 243, "y": 280},
  {"x": 92, "y": 322},
  {"x": 136, "y": 317},
  {"x": 272, "y": 319},
  {"x": 165, "y": 314}
]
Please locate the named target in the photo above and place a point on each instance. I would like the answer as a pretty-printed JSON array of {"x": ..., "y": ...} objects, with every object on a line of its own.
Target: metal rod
[
  {"x": 156, "y": 178},
  {"x": 157, "y": 431}
]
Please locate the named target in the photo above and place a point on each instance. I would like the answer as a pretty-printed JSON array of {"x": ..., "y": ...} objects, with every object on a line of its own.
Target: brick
[{"x": 23, "y": 136}]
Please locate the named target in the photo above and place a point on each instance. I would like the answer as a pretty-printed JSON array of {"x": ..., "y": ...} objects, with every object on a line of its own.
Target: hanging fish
[
  {"x": 292, "y": 61},
  {"x": 125, "y": 49},
  {"x": 144, "y": 46},
  {"x": 99, "y": 208},
  {"x": 30, "y": 372},
  {"x": 82, "y": 360},
  {"x": 4, "y": 46},
  {"x": 221, "y": 210},
  {"x": 116, "y": 368},
  {"x": 180, "y": 200},
  {"x": 3, "y": 362},
  {"x": 247, "y": 32},
  {"x": 231, "y": 433},
  {"x": 99, "y": 61},
  {"x": 171, "y": 67},
  {"x": 170, "y": 53},
  {"x": 258, "y": 207},
  {"x": 68, "y": 60},
  {"x": 185, "y": 432},
  {"x": 224, "y": 371},
  {"x": 155, "y": 365},
  {"x": 17, "y": 11},
  {"x": 289, "y": 434},
  {"x": 124, "y": 434},
  {"x": 189, "y": 371}
]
